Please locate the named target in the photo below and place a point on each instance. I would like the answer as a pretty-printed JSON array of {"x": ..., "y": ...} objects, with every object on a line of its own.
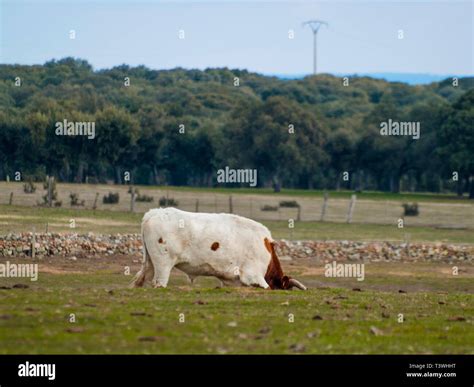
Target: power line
[{"x": 314, "y": 25}]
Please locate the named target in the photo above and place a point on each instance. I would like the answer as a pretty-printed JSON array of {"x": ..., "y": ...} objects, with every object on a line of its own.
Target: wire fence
[{"x": 261, "y": 207}]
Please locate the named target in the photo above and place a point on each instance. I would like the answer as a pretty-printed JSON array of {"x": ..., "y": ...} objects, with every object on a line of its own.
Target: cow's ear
[{"x": 285, "y": 282}]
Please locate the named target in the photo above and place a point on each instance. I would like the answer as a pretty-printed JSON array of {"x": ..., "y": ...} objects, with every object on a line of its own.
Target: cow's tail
[{"x": 140, "y": 277}]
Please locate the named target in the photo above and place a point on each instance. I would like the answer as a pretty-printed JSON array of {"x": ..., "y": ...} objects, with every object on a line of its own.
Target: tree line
[{"x": 178, "y": 127}]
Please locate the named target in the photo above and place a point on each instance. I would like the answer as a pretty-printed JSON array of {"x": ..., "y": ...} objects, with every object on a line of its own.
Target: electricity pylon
[{"x": 314, "y": 25}]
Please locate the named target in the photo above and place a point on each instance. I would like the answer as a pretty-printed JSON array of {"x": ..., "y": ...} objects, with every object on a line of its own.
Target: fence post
[
  {"x": 351, "y": 208},
  {"x": 132, "y": 199},
  {"x": 33, "y": 244},
  {"x": 407, "y": 241},
  {"x": 50, "y": 191},
  {"x": 94, "y": 206},
  {"x": 11, "y": 199},
  {"x": 325, "y": 206},
  {"x": 197, "y": 205},
  {"x": 231, "y": 207}
]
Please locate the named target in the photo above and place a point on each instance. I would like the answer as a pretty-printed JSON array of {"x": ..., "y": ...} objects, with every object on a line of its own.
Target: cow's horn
[{"x": 297, "y": 284}]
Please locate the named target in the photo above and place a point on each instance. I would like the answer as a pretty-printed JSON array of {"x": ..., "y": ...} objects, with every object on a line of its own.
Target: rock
[
  {"x": 376, "y": 331},
  {"x": 457, "y": 318},
  {"x": 20, "y": 286},
  {"x": 149, "y": 338},
  {"x": 50, "y": 244},
  {"x": 139, "y": 314},
  {"x": 298, "y": 348},
  {"x": 75, "y": 330}
]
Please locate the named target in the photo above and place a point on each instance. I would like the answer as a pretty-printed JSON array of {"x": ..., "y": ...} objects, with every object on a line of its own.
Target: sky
[{"x": 362, "y": 37}]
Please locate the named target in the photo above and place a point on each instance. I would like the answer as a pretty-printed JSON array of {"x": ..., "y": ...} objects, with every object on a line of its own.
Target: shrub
[
  {"x": 411, "y": 209},
  {"x": 268, "y": 207},
  {"x": 144, "y": 198},
  {"x": 29, "y": 187},
  {"x": 140, "y": 198},
  {"x": 166, "y": 202},
  {"x": 75, "y": 200},
  {"x": 289, "y": 204},
  {"x": 54, "y": 194},
  {"x": 111, "y": 198}
]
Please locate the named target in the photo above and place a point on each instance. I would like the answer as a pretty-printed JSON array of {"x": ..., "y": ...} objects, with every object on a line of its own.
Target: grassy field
[
  {"x": 343, "y": 316},
  {"x": 23, "y": 219},
  {"x": 333, "y": 316},
  {"x": 371, "y": 208},
  {"x": 342, "y": 194}
]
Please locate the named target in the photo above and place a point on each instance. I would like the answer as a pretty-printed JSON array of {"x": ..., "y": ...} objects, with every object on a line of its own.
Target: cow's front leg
[
  {"x": 257, "y": 281},
  {"x": 163, "y": 264},
  {"x": 162, "y": 276}
]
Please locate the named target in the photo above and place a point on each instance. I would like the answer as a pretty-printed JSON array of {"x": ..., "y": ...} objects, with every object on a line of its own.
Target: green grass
[
  {"x": 367, "y": 232},
  {"x": 23, "y": 219},
  {"x": 53, "y": 214},
  {"x": 342, "y": 194},
  {"x": 229, "y": 320}
]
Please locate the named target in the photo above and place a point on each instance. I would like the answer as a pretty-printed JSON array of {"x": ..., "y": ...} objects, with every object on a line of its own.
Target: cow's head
[{"x": 274, "y": 275}]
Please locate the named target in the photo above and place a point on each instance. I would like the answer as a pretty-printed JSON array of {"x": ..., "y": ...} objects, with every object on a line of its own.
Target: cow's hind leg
[{"x": 144, "y": 272}]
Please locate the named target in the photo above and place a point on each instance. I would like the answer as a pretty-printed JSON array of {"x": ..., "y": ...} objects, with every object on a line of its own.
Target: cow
[{"x": 236, "y": 250}]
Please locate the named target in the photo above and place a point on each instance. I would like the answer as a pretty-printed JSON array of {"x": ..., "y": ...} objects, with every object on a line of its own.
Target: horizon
[
  {"x": 362, "y": 38},
  {"x": 416, "y": 78}
]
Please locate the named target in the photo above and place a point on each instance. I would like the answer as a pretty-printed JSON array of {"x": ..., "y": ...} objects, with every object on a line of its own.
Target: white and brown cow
[{"x": 234, "y": 249}]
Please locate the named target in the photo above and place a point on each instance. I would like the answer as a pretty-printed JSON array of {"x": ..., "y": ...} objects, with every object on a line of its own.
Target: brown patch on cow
[
  {"x": 268, "y": 245},
  {"x": 161, "y": 240},
  {"x": 274, "y": 275},
  {"x": 215, "y": 246}
]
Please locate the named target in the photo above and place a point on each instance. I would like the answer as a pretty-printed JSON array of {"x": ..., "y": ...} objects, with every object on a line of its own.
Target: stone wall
[{"x": 69, "y": 245}]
